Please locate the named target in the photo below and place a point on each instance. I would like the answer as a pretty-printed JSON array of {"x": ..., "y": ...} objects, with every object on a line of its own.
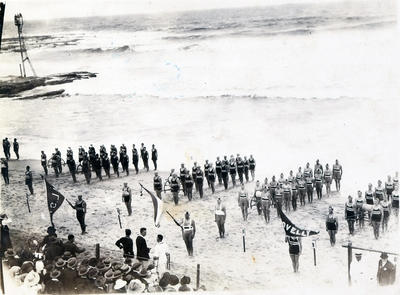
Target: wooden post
[
  {"x": 349, "y": 256},
  {"x": 169, "y": 261},
  {"x": 97, "y": 251},
  {"x": 244, "y": 240},
  {"x": 1, "y": 261},
  {"x": 198, "y": 277},
  {"x": 119, "y": 218},
  {"x": 314, "y": 245},
  {"x": 27, "y": 202}
]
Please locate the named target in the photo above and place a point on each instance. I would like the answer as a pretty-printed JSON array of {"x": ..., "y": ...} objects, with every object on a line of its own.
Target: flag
[
  {"x": 54, "y": 198},
  {"x": 293, "y": 230},
  {"x": 157, "y": 204}
]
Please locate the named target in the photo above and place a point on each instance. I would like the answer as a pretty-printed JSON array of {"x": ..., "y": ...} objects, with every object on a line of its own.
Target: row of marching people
[
  {"x": 285, "y": 192},
  {"x": 375, "y": 206},
  {"x": 221, "y": 172},
  {"x": 92, "y": 161}
]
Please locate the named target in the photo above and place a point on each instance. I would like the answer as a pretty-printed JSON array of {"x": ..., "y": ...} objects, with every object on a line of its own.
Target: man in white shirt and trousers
[
  {"x": 161, "y": 255},
  {"x": 220, "y": 216}
]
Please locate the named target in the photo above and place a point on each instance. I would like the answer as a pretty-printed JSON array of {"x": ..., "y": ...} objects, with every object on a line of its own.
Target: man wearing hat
[
  {"x": 68, "y": 274},
  {"x": 127, "y": 198},
  {"x": 119, "y": 286},
  {"x": 358, "y": 270},
  {"x": 54, "y": 285},
  {"x": 188, "y": 232},
  {"x": 185, "y": 281},
  {"x": 80, "y": 207},
  {"x": 386, "y": 271}
]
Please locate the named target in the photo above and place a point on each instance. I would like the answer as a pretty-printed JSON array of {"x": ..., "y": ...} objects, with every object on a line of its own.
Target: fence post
[
  {"x": 244, "y": 240},
  {"x": 314, "y": 245},
  {"x": 198, "y": 277},
  {"x": 349, "y": 256},
  {"x": 97, "y": 251}
]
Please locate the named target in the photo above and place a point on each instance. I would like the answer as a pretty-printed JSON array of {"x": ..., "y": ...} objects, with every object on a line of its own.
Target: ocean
[{"x": 288, "y": 84}]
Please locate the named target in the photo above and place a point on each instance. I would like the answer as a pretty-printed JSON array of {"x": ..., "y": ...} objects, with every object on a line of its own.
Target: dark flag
[
  {"x": 293, "y": 230},
  {"x": 54, "y": 198},
  {"x": 157, "y": 204}
]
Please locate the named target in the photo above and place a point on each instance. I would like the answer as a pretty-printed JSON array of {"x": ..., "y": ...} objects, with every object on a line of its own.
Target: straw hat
[
  {"x": 115, "y": 264},
  {"x": 150, "y": 267},
  {"x": 9, "y": 253},
  {"x": 102, "y": 267},
  {"x": 83, "y": 270},
  {"x": 109, "y": 275},
  {"x": 92, "y": 261},
  {"x": 136, "y": 265},
  {"x": 107, "y": 261},
  {"x": 119, "y": 284},
  {"x": 100, "y": 282},
  {"x": 72, "y": 263},
  {"x": 60, "y": 262},
  {"x": 136, "y": 286},
  {"x": 117, "y": 274},
  {"x": 93, "y": 273},
  {"x": 67, "y": 255},
  {"x": 185, "y": 280},
  {"x": 164, "y": 281},
  {"x": 14, "y": 271},
  {"x": 32, "y": 279},
  {"x": 55, "y": 274},
  {"x": 125, "y": 269},
  {"x": 144, "y": 273}
]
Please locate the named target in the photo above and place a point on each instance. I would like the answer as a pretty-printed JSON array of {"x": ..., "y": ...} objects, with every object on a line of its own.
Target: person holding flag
[
  {"x": 293, "y": 238},
  {"x": 80, "y": 207}
]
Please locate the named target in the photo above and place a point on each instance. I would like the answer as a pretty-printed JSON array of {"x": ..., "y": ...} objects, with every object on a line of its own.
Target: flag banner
[
  {"x": 293, "y": 230},
  {"x": 54, "y": 198},
  {"x": 157, "y": 204}
]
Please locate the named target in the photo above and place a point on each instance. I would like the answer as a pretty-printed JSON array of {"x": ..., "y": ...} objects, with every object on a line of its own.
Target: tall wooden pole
[
  {"x": 198, "y": 277},
  {"x": 244, "y": 240},
  {"x": 349, "y": 256}
]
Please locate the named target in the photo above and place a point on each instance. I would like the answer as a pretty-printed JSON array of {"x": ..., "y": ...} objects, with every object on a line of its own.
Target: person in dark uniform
[
  {"x": 380, "y": 191},
  {"x": 240, "y": 169},
  {"x": 135, "y": 158},
  {"x": 142, "y": 251},
  {"x": 232, "y": 170},
  {"x": 386, "y": 274},
  {"x": 122, "y": 152},
  {"x": 92, "y": 154},
  {"x": 72, "y": 168},
  {"x": 59, "y": 160},
  {"x": 218, "y": 169},
  {"x": 103, "y": 151},
  {"x": 71, "y": 247},
  {"x": 188, "y": 185},
  {"x": 376, "y": 217},
  {"x": 115, "y": 162},
  {"x": 97, "y": 167},
  {"x": 126, "y": 244},
  {"x": 246, "y": 165},
  {"x": 125, "y": 163},
  {"x": 294, "y": 251},
  {"x": 105, "y": 162},
  {"x": 157, "y": 181},
  {"x": 395, "y": 202},
  {"x": 224, "y": 172},
  {"x": 86, "y": 168},
  {"x": 350, "y": 214},
  {"x": 127, "y": 198},
  {"x": 4, "y": 170},
  {"x": 295, "y": 194},
  {"x": 389, "y": 187},
  {"x": 332, "y": 226},
  {"x": 258, "y": 193},
  {"x": 266, "y": 203},
  {"x": 145, "y": 157},
  {"x": 53, "y": 162},
  {"x": 328, "y": 179},
  {"x": 211, "y": 177},
  {"x": 29, "y": 179},
  {"x": 199, "y": 181},
  {"x": 278, "y": 199},
  {"x": 194, "y": 169},
  {"x": 80, "y": 207},
  {"x": 318, "y": 166},
  {"x": 369, "y": 198},
  {"x": 16, "y": 148},
  {"x": 360, "y": 209},
  {"x": 309, "y": 188},
  {"x": 243, "y": 202},
  {"x": 252, "y": 167},
  {"x": 174, "y": 184},
  {"x": 154, "y": 156},
  {"x": 43, "y": 161},
  {"x": 206, "y": 168},
  {"x": 318, "y": 183},
  {"x": 81, "y": 153},
  {"x": 6, "y": 148},
  {"x": 182, "y": 175}
]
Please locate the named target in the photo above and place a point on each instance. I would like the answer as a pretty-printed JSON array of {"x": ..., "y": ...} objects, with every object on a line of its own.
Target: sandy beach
[{"x": 224, "y": 266}]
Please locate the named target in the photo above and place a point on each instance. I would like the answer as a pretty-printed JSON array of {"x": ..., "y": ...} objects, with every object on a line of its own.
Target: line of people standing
[
  {"x": 92, "y": 161},
  {"x": 195, "y": 177},
  {"x": 7, "y": 147}
]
